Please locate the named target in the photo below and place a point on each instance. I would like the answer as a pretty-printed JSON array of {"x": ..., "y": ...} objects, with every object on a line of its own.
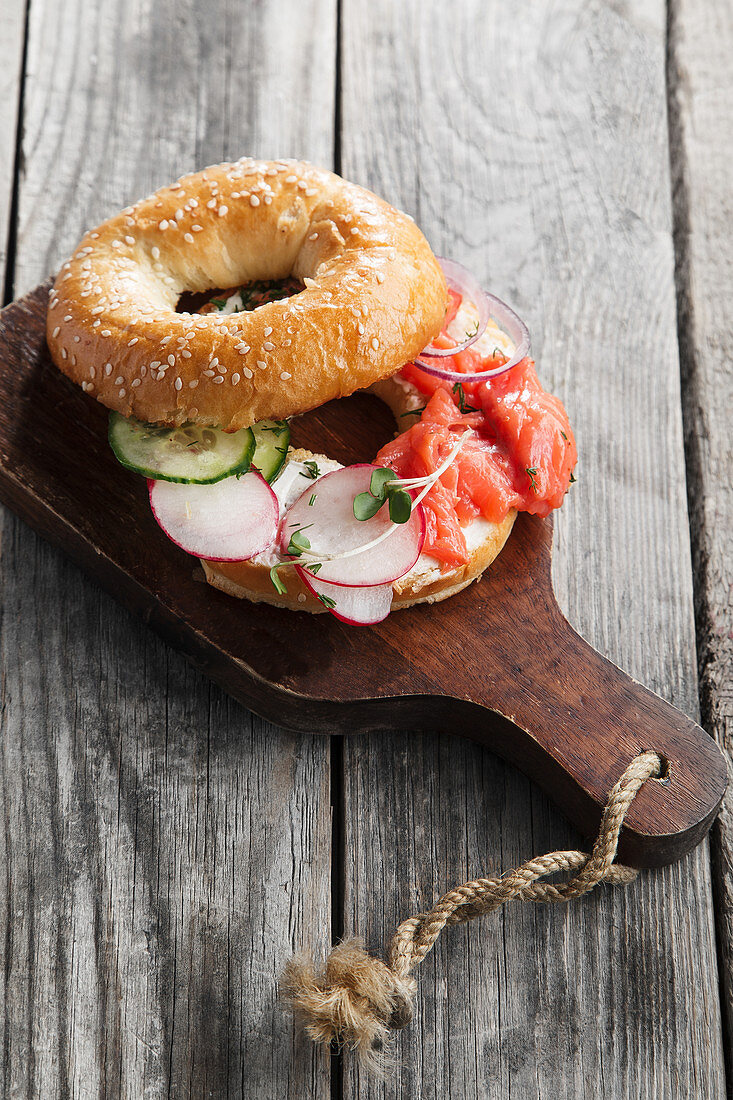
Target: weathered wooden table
[{"x": 163, "y": 851}]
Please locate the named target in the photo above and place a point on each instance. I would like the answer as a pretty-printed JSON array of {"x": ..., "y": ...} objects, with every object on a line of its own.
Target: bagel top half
[{"x": 374, "y": 297}]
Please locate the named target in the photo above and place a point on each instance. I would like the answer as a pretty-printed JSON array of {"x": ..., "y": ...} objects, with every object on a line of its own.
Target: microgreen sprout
[
  {"x": 298, "y": 543},
  {"x": 276, "y": 579},
  {"x": 401, "y": 484},
  {"x": 384, "y": 488}
]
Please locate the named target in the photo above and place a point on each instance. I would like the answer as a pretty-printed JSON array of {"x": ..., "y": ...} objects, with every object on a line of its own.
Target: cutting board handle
[{"x": 573, "y": 722}]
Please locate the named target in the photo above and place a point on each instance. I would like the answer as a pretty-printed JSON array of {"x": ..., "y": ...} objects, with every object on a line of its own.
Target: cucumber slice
[
  {"x": 191, "y": 453},
  {"x": 272, "y": 438}
]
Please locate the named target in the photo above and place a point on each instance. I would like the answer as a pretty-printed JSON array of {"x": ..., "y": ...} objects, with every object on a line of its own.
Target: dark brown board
[{"x": 498, "y": 663}]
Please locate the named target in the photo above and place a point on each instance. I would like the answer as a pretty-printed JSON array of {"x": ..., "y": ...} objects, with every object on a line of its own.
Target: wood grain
[
  {"x": 701, "y": 110},
  {"x": 534, "y": 149},
  {"x": 12, "y": 29},
  {"x": 163, "y": 850}
]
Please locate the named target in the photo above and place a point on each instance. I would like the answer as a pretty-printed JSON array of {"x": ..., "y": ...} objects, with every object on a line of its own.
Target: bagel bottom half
[{"x": 425, "y": 583}]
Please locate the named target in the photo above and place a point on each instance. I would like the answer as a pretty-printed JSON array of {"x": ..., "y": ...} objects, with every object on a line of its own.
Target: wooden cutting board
[{"x": 498, "y": 663}]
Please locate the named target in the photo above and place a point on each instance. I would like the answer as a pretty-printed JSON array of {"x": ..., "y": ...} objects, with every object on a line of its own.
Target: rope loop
[{"x": 357, "y": 999}]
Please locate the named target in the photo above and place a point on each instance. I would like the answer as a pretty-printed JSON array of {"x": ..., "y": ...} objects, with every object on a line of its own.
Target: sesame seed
[
  {"x": 131, "y": 343},
  {"x": 63, "y": 353},
  {"x": 193, "y": 412},
  {"x": 268, "y": 200},
  {"x": 313, "y": 237},
  {"x": 302, "y": 185},
  {"x": 122, "y": 393},
  {"x": 160, "y": 376},
  {"x": 119, "y": 380},
  {"x": 95, "y": 312},
  {"x": 129, "y": 239},
  {"x": 262, "y": 364},
  {"x": 253, "y": 200},
  {"x": 380, "y": 276},
  {"x": 188, "y": 238},
  {"x": 360, "y": 328},
  {"x": 375, "y": 343},
  {"x": 246, "y": 372},
  {"x": 186, "y": 354},
  {"x": 268, "y": 330},
  {"x": 68, "y": 316},
  {"x": 108, "y": 369},
  {"x": 163, "y": 224},
  {"x": 221, "y": 368},
  {"x": 290, "y": 179},
  {"x": 56, "y": 331},
  {"x": 284, "y": 375},
  {"x": 235, "y": 379},
  {"x": 209, "y": 373},
  {"x": 77, "y": 339},
  {"x": 268, "y": 345},
  {"x": 310, "y": 191},
  {"x": 223, "y": 210},
  {"x": 178, "y": 384},
  {"x": 92, "y": 372},
  {"x": 156, "y": 252},
  {"x": 193, "y": 383},
  {"x": 154, "y": 365},
  {"x": 197, "y": 228},
  {"x": 135, "y": 383},
  {"x": 218, "y": 380},
  {"x": 171, "y": 360},
  {"x": 354, "y": 231},
  {"x": 143, "y": 371},
  {"x": 105, "y": 332},
  {"x": 179, "y": 214}
]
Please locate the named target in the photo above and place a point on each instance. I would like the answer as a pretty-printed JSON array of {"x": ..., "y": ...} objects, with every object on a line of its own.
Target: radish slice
[
  {"x": 231, "y": 520},
  {"x": 325, "y": 514},
  {"x": 361, "y": 606}
]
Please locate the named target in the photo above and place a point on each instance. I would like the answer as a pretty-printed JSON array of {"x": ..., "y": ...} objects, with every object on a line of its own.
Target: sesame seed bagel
[{"x": 374, "y": 296}]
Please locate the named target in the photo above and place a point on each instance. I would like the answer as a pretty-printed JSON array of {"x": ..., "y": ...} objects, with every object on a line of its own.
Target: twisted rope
[{"x": 357, "y": 999}]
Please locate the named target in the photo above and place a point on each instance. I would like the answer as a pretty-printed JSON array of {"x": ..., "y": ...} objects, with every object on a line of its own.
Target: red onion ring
[
  {"x": 462, "y": 281},
  {"x": 488, "y": 306}
]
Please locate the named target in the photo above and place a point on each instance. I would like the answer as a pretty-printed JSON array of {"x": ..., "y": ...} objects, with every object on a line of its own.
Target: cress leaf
[
  {"x": 400, "y": 506},
  {"x": 378, "y": 485},
  {"x": 366, "y": 505}
]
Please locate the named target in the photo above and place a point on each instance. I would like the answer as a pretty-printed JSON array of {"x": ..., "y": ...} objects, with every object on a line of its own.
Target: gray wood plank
[
  {"x": 701, "y": 106},
  {"x": 12, "y": 30},
  {"x": 164, "y": 851},
  {"x": 534, "y": 149}
]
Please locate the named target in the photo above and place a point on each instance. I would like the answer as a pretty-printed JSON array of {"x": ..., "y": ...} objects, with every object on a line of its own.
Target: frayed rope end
[{"x": 354, "y": 1001}]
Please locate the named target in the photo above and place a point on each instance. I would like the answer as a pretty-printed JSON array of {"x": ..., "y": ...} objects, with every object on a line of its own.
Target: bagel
[
  {"x": 332, "y": 290},
  {"x": 373, "y": 296}
]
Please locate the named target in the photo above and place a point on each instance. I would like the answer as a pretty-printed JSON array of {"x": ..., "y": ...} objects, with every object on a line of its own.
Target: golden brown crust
[{"x": 374, "y": 297}]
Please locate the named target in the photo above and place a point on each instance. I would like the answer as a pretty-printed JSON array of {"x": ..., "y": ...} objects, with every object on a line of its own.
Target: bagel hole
[
  {"x": 253, "y": 294},
  {"x": 351, "y": 429}
]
